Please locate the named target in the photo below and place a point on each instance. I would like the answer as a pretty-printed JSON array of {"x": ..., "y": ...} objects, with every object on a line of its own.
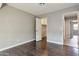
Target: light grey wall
[
  {"x": 55, "y": 24},
  {"x": 16, "y": 27}
]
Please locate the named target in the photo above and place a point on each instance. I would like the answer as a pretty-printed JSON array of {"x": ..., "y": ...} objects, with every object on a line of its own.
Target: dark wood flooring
[
  {"x": 29, "y": 49},
  {"x": 62, "y": 50},
  {"x": 22, "y": 50}
]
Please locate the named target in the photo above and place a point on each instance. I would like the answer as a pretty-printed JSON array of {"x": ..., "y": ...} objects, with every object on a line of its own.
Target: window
[{"x": 75, "y": 26}]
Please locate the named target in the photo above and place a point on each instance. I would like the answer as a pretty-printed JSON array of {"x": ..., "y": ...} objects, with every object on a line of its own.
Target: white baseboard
[
  {"x": 38, "y": 40},
  {"x": 55, "y": 42},
  {"x": 15, "y": 45}
]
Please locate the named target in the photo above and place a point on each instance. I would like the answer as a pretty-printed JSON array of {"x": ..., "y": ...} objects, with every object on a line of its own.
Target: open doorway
[
  {"x": 71, "y": 30},
  {"x": 41, "y": 35},
  {"x": 44, "y": 32}
]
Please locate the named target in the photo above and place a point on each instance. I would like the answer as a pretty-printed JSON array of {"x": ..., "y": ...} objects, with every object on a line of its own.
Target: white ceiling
[{"x": 36, "y": 9}]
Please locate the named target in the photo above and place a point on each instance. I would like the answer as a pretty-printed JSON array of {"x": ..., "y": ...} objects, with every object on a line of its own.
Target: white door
[{"x": 38, "y": 29}]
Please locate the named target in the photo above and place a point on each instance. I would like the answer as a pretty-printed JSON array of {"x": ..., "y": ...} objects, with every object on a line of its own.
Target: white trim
[
  {"x": 38, "y": 40},
  {"x": 0, "y": 5},
  {"x": 16, "y": 45},
  {"x": 55, "y": 42}
]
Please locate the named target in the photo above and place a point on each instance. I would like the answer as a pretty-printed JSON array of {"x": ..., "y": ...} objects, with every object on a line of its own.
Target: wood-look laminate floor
[
  {"x": 29, "y": 49},
  {"x": 22, "y": 50},
  {"x": 62, "y": 50}
]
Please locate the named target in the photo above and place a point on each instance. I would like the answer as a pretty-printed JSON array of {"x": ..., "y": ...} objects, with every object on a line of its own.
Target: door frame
[{"x": 64, "y": 25}]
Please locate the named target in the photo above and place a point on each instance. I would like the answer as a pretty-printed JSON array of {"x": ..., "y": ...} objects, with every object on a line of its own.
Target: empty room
[{"x": 39, "y": 29}]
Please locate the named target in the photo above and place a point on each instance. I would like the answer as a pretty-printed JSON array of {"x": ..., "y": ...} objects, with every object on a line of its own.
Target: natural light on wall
[{"x": 44, "y": 21}]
